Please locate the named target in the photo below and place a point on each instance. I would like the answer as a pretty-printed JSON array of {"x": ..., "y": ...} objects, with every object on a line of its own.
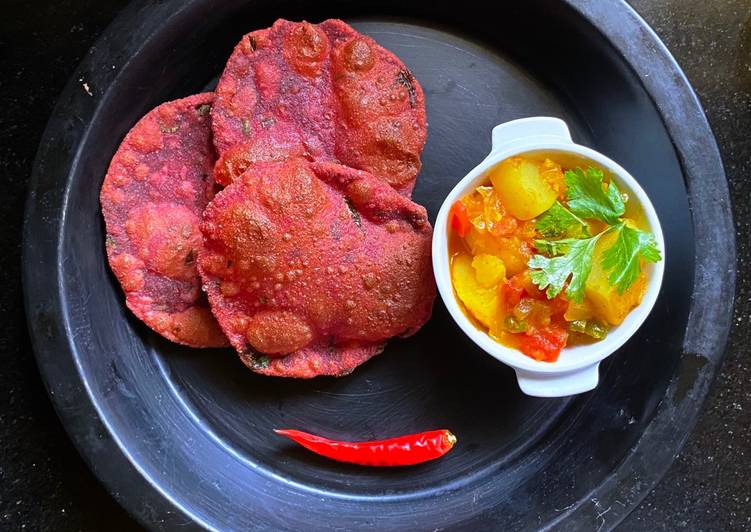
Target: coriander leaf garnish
[
  {"x": 553, "y": 247},
  {"x": 588, "y": 199},
  {"x": 575, "y": 262},
  {"x": 622, "y": 259},
  {"x": 559, "y": 221},
  {"x": 569, "y": 259}
]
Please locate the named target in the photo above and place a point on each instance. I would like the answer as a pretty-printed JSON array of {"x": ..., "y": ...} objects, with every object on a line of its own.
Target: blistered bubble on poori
[
  {"x": 357, "y": 55},
  {"x": 165, "y": 236},
  {"x": 305, "y": 48},
  {"x": 324, "y": 92},
  {"x": 156, "y": 188},
  {"x": 278, "y": 332},
  {"x": 312, "y": 266}
]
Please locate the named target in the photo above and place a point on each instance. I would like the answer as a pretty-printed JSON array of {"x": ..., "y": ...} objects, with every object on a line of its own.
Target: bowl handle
[
  {"x": 536, "y": 129},
  {"x": 558, "y": 385}
]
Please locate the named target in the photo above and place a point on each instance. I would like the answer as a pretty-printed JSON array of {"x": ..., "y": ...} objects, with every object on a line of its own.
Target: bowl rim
[{"x": 587, "y": 354}]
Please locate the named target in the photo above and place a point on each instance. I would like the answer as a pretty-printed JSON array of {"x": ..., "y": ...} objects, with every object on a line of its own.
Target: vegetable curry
[{"x": 547, "y": 254}]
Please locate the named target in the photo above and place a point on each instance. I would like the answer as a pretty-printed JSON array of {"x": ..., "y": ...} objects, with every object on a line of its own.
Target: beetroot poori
[
  {"x": 311, "y": 267},
  {"x": 156, "y": 188}
]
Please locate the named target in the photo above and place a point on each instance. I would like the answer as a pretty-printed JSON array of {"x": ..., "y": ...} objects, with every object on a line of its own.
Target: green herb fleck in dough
[
  {"x": 405, "y": 78},
  {"x": 353, "y": 213},
  {"x": 260, "y": 362}
]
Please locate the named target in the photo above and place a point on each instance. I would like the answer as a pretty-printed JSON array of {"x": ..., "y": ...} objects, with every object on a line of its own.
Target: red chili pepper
[
  {"x": 404, "y": 450},
  {"x": 459, "y": 218}
]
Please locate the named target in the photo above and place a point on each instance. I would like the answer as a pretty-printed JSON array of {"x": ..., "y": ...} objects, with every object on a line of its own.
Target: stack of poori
[{"x": 312, "y": 256}]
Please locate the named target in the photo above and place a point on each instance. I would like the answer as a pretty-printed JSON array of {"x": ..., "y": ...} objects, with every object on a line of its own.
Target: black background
[{"x": 44, "y": 484}]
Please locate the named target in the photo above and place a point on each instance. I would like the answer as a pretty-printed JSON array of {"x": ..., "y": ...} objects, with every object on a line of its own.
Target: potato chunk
[
  {"x": 513, "y": 251},
  {"x": 579, "y": 311},
  {"x": 606, "y": 303},
  {"x": 489, "y": 270},
  {"x": 523, "y": 189},
  {"x": 481, "y": 302}
]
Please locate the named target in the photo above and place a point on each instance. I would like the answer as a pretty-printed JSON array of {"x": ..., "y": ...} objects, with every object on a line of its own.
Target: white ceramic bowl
[{"x": 577, "y": 368}]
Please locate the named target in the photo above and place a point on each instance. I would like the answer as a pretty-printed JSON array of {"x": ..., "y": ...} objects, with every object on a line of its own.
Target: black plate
[{"x": 184, "y": 436}]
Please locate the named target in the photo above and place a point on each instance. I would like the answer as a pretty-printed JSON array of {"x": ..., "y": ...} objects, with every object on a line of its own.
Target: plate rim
[{"x": 704, "y": 343}]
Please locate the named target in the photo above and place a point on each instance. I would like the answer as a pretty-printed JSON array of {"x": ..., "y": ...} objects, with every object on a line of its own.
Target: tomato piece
[
  {"x": 511, "y": 292},
  {"x": 544, "y": 344},
  {"x": 559, "y": 305},
  {"x": 459, "y": 219}
]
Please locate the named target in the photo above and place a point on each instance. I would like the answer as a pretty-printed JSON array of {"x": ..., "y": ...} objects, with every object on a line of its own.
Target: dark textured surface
[
  {"x": 38, "y": 463},
  {"x": 707, "y": 487},
  {"x": 200, "y": 428},
  {"x": 44, "y": 484}
]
